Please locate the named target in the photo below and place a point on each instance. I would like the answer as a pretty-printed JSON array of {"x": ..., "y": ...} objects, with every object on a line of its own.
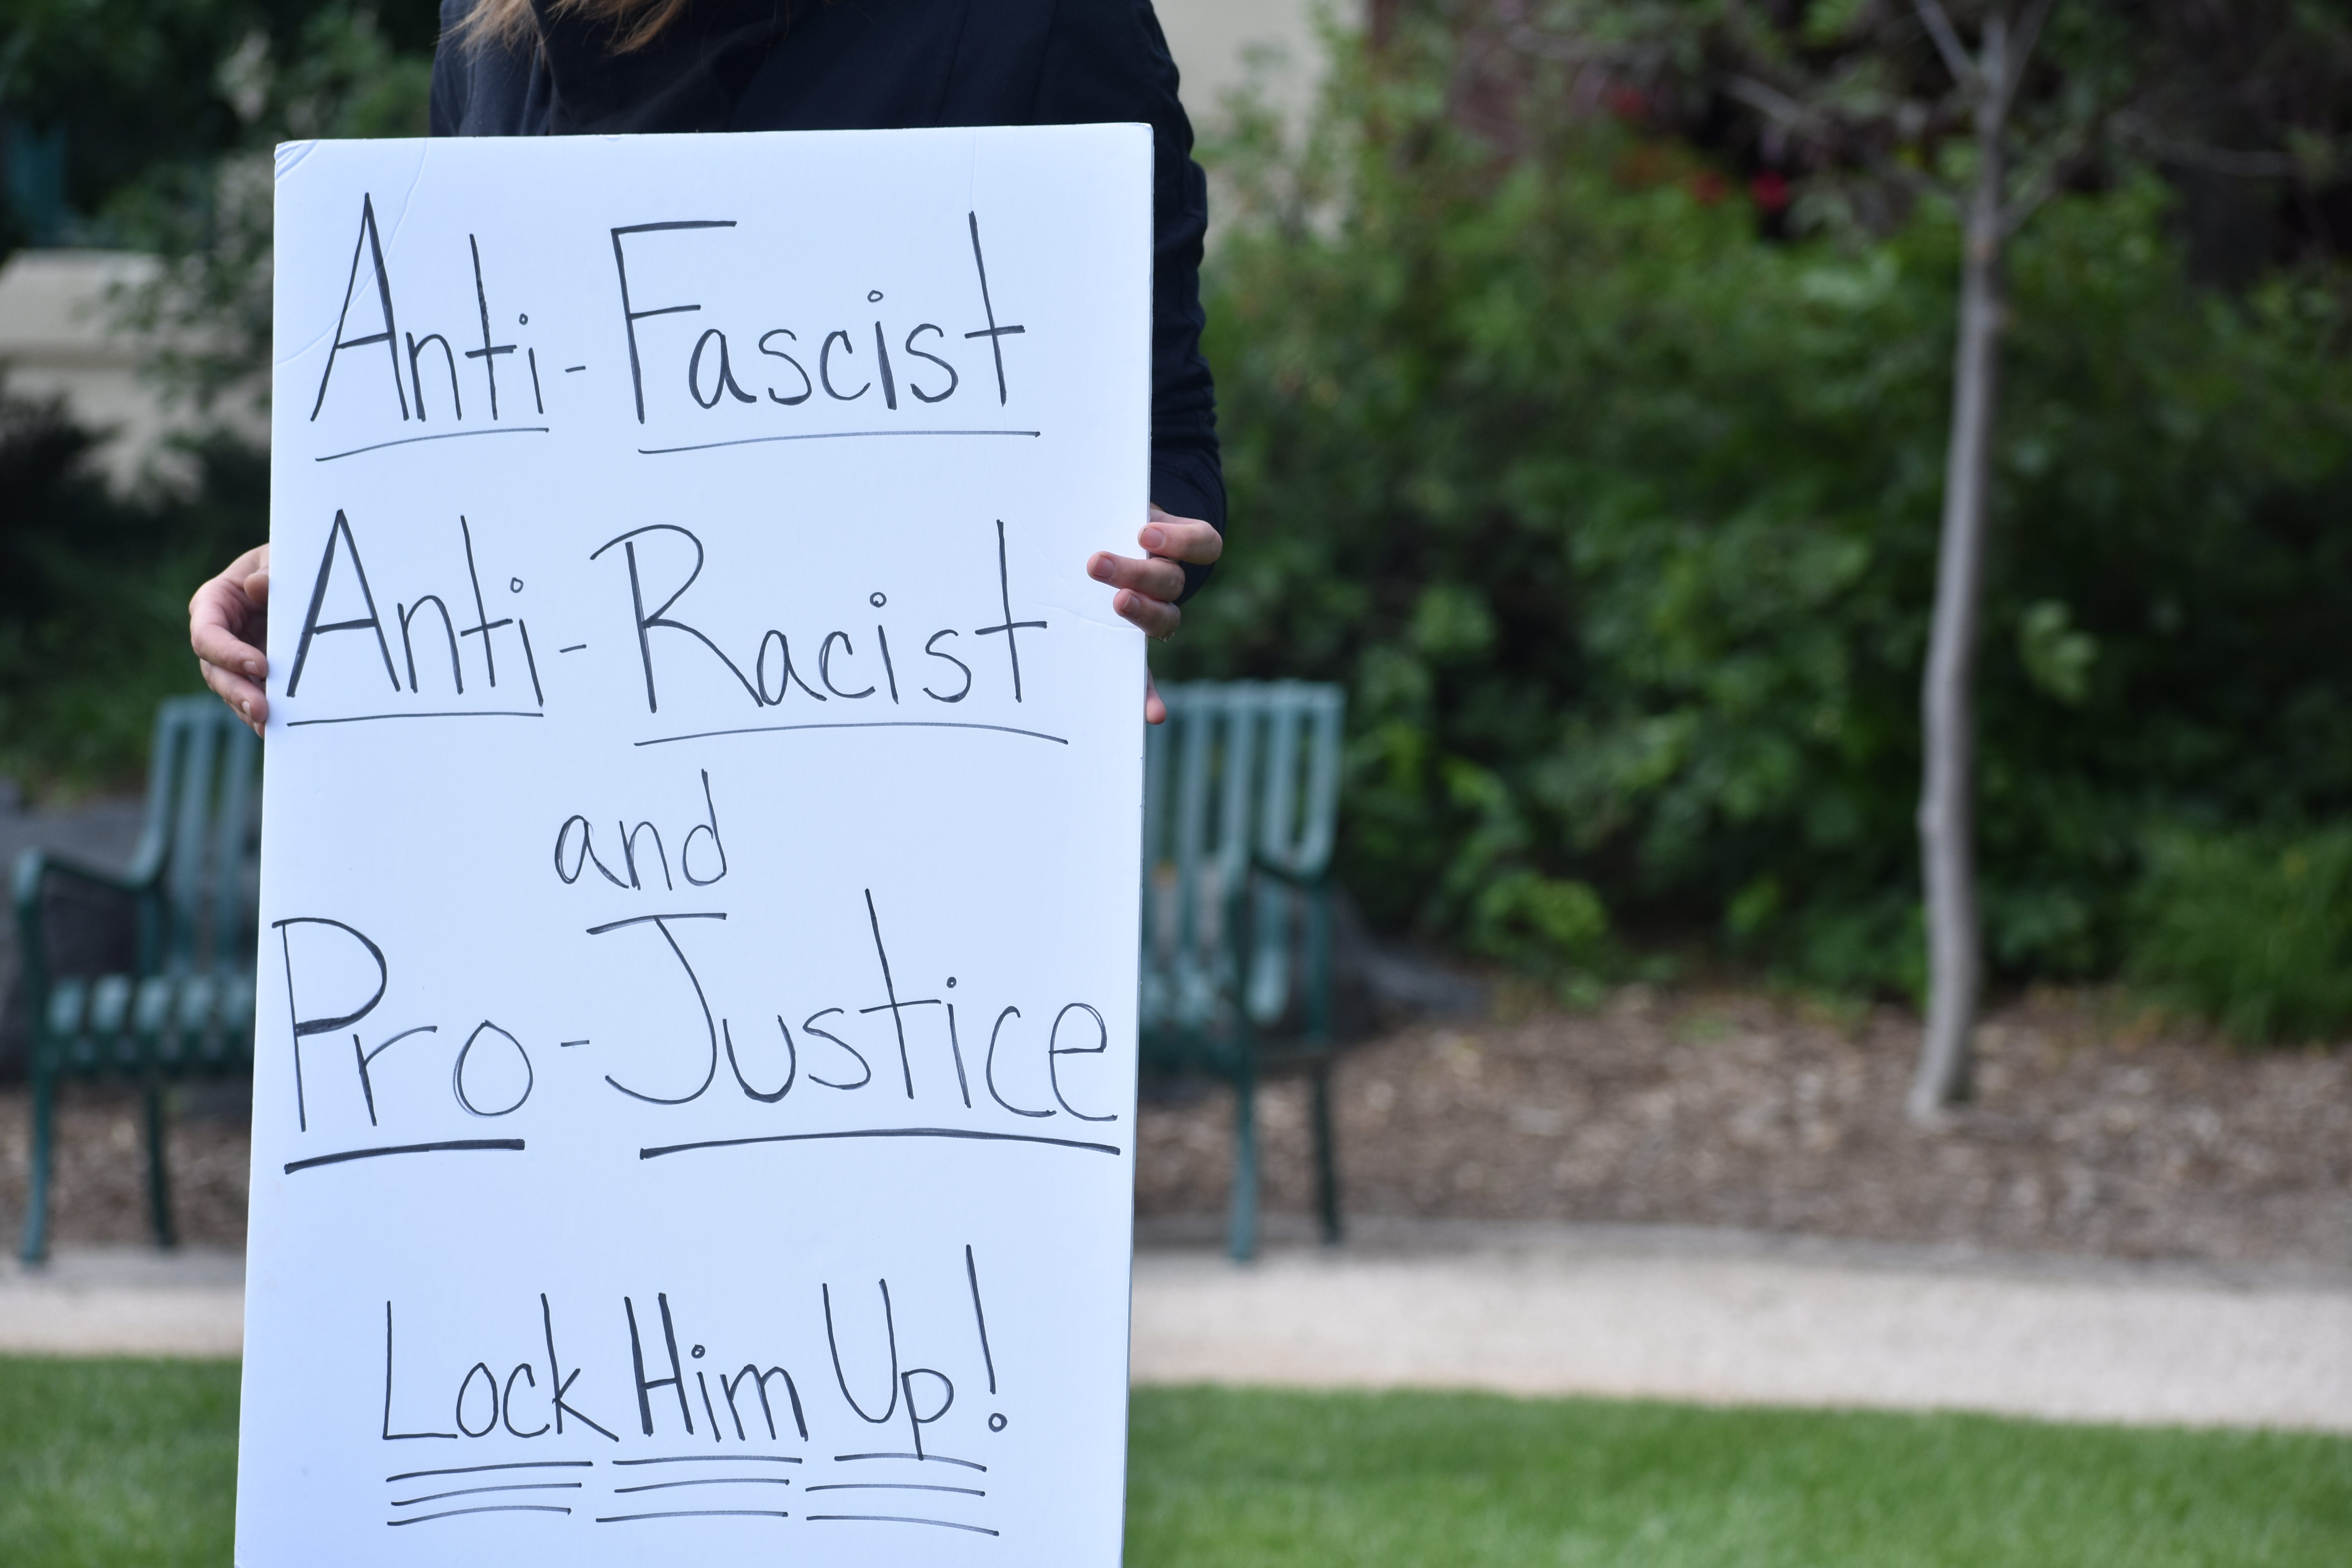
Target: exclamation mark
[{"x": 980, "y": 1320}]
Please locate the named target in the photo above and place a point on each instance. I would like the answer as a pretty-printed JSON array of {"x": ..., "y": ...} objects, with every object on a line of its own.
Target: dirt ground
[
  {"x": 2094, "y": 1133},
  {"x": 99, "y": 1186}
]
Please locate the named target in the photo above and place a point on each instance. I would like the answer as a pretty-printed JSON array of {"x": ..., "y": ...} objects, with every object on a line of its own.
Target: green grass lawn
[
  {"x": 1222, "y": 1476},
  {"x": 114, "y": 1463},
  {"x": 110, "y": 1464}
]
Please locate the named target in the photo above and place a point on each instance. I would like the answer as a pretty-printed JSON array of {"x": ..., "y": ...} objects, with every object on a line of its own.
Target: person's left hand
[
  {"x": 228, "y": 626},
  {"x": 1147, "y": 590}
]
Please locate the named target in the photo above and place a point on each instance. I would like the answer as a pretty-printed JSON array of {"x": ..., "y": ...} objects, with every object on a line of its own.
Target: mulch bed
[
  {"x": 98, "y": 1184},
  {"x": 2095, "y": 1132}
]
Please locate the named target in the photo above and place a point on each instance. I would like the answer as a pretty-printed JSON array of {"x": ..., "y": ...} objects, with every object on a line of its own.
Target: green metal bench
[
  {"x": 186, "y": 1008},
  {"x": 1240, "y": 798}
]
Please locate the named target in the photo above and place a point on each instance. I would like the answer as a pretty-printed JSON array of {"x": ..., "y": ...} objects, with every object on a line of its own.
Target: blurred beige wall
[
  {"x": 1214, "y": 41},
  {"x": 58, "y": 339}
]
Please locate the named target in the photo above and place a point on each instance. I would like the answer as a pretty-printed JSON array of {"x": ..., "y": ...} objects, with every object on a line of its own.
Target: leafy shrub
[
  {"x": 1618, "y": 519},
  {"x": 94, "y": 595},
  {"x": 168, "y": 110},
  {"x": 2253, "y": 928}
]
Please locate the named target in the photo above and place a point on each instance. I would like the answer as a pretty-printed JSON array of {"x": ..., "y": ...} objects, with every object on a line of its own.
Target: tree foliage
[
  {"x": 145, "y": 92},
  {"x": 165, "y": 112},
  {"x": 1618, "y": 517},
  {"x": 94, "y": 595}
]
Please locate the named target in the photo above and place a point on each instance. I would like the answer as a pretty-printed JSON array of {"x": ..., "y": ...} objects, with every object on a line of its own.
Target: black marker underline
[
  {"x": 477, "y": 1469},
  {"x": 879, "y": 1133},
  {"x": 854, "y": 724},
  {"x": 820, "y": 436},
  {"x": 928, "y": 1459},
  {"x": 455, "y": 1144},
  {"x": 897, "y": 1518},
  {"x": 496, "y": 1507},
  {"x": 455, "y": 714},
  {"x": 478, "y": 1491},
  {"x": 698, "y": 1513},
  {"x": 445, "y": 435},
  {"x": 716, "y": 1459}
]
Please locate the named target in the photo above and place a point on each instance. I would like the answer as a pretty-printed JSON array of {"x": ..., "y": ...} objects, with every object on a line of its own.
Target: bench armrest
[
  {"x": 1305, "y": 881},
  {"x": 34, "y": 869},
  {"x": 34, "y": 866}
]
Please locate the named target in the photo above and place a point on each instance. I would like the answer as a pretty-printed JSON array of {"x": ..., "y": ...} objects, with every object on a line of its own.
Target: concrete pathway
[
  {"x": 124, "y": 1301},
  {"x": 1712, "y": 1317},
  {"x": 1721, "y": 1318}
]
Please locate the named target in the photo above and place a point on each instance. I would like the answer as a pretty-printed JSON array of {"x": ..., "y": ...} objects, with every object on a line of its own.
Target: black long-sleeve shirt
[{"x": 871, "y": 65}]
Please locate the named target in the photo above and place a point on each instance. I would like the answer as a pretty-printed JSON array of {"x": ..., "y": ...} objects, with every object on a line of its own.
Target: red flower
[
  {"x": 1709, "y": 187},
  {"x": 1770, "y": 191},
  {"x": 1626, "y": 103}
]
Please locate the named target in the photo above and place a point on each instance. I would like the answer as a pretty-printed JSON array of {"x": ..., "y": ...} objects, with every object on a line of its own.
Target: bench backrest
[
  {"x": 200, "y": 841},
  {"x": 1242, "y": 773}
]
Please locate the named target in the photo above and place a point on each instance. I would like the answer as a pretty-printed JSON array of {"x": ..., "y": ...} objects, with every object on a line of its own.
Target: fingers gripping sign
[
  {"x": 228, "y": 626},
  {"x": 1145, "y": 590}
]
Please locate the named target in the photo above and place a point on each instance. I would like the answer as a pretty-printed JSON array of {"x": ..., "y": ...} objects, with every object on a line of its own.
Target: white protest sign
[{"x": 694, "y": 1102}]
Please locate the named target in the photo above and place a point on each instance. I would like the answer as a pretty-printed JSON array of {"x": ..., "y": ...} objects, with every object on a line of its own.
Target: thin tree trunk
[{"x": 1946, "y": 800}]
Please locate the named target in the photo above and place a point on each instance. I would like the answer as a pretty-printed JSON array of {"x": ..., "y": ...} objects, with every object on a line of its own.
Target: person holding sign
[
  {"x": 524, "y": 67},
  {"x": 699, "y": 980}
]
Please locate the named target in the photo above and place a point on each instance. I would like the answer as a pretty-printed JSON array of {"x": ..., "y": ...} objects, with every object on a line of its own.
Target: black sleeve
[{"x": 1107, "y": 60}]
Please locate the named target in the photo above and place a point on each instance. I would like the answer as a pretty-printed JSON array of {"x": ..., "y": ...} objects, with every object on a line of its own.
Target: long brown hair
[{"x": 634, "y": 23}]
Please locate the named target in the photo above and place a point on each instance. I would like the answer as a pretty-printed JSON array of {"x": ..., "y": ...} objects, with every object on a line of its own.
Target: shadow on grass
[{"x": 111, "y": 1464}]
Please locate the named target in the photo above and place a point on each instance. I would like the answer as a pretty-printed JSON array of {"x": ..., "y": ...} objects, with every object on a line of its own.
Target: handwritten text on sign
[{"x": 696, "y": 1083}]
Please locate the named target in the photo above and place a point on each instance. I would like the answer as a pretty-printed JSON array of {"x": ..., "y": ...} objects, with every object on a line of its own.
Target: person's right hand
[{"x": 228, "y": 626}]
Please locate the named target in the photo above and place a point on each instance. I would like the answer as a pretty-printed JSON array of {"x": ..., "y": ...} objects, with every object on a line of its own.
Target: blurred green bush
[
  {"x": 2253, "y": 928},
  {"x": 1618, "y": 518},
  {"x": 94, "y": 595},
  {"x": 163, "y": 113}
]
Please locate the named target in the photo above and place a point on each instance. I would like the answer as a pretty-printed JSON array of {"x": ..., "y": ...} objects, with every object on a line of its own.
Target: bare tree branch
[
  {"x": 2134, "y": 127},
  {"x": 1795, "y": 115},
  {"x": 2020, "y": 52},
  {"x": 1918, "y": 181},
  {"x": 2020, "y": 209},
  {"x": 1947, "y": 43},
  {"x": 2062, "y": 160},
  {"x": 1772, "y": 102}
]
